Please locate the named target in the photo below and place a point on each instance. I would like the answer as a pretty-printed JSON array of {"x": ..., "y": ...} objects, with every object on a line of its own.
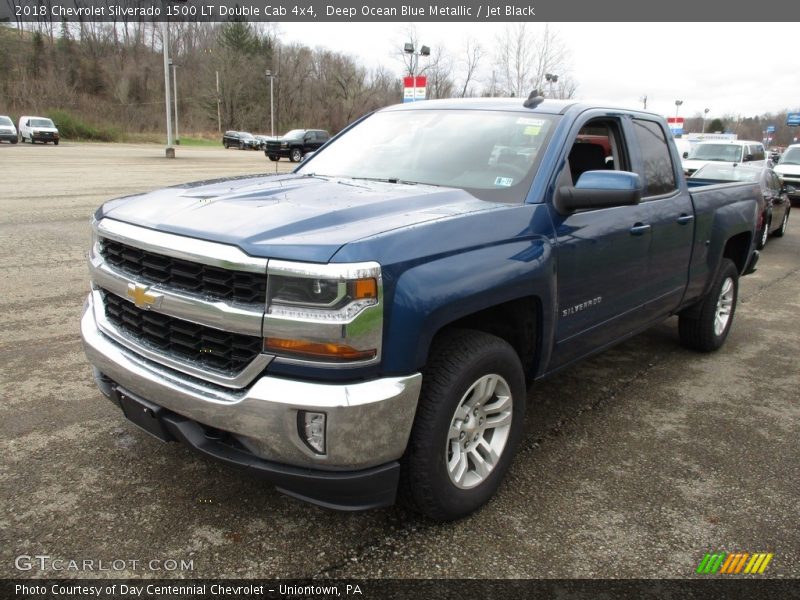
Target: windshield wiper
[{"x": 385, "y": 180}]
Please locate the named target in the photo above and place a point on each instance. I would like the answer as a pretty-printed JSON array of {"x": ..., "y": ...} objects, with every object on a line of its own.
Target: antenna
[{"x": 533, "y": 100}]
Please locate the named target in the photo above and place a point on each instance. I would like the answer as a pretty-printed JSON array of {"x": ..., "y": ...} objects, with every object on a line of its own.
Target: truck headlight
[{"x": 324, "y": 313}]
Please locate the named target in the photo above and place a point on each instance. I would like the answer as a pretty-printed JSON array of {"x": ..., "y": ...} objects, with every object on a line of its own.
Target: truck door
[
  {"x": 602, "y": 254},
  {"x": 670, "y": 215}
]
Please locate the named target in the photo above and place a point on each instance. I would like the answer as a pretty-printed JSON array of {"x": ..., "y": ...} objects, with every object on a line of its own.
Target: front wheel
[
  {"x": 469, "y": 422},
  {"x": 274, "y": 158},
  {"x": 296, "y": 155},
  {"x": 55, "y": 142},
  {"x": 782, "y": 229},
  {"x": 705, "y": 327},
  {"x": 14, "y": 140}
]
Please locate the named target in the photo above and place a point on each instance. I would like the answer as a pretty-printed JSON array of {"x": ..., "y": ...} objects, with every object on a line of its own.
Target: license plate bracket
[{"x": 144, "y": 414}]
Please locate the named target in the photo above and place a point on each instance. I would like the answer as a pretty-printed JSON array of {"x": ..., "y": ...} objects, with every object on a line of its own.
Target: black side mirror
[
  {"x": 685, "y": 155},
  {"x": 600, "y": 189}
]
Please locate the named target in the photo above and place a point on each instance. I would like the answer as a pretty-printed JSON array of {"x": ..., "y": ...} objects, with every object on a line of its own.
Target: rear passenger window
[{"x": 659, "y": 176}]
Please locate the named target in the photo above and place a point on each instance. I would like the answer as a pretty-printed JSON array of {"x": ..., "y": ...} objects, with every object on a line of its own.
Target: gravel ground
[{"x": 635, "y": 464}]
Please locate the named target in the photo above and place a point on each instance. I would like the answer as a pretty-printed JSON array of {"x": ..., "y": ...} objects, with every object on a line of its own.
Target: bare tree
[
  {"x": 525, "y": 57},
  {"x": 473, "y": 52}
]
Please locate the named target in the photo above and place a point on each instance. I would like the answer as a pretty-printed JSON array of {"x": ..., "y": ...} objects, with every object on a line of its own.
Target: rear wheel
[
  {"x": 469, "y": 422},
  {"x": 782, "y": 229},
  {"x": 705, "y": 327},
  {"x": 296, "y": 155}
]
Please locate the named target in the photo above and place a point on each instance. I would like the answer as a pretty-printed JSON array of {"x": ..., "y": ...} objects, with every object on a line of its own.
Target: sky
[{"x": 743, "y": 69}]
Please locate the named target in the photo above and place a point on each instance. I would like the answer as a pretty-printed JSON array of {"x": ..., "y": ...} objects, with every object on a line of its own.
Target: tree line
[{"x": 113, "y": 73}]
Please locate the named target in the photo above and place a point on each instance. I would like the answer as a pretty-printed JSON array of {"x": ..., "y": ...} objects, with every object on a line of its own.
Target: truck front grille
[
  {"x": 195, "y": 278},
  {"x": 204, "y": 346}
]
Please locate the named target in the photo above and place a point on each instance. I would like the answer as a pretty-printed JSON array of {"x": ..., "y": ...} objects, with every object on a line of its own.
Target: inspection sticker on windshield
[
  {"x": 529, "y": 121},
  {"x": 504, "y": 181}
]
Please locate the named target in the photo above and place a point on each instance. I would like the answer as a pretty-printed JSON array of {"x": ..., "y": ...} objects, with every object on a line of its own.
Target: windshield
[
  {"x": 5, "y": 121},
  {"x": 41, "y": 123},
  {"x": 488, "y": 153},
  {"x": 295, "y": 133},
  {"x": 790, "y": 157},
  {"x": 727, "y": 173},
  {"x": 721, "y": 152},
  {"x": 246, "y": 135}
]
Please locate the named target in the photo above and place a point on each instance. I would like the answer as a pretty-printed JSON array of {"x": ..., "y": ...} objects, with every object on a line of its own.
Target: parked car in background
[
  {"x": 247, "y": 141},
  {"x": 788, "y": 169},
  {"x": 730, "y": 152},
  {"x": 230, "y": 139},
  {"x": 38, "y": 129},
  {"x": 263, "y": 139},
  {"x": 8, "y": 133},
  {"x": 774, "y": 204},
  {"x": 295, "y": 144}
]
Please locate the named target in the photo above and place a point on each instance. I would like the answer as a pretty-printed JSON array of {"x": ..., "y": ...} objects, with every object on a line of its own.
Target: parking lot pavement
[{"x": 636, "y": 462}]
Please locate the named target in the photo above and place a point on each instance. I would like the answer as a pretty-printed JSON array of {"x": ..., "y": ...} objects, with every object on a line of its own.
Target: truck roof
[{"x": 547, "y": 106}]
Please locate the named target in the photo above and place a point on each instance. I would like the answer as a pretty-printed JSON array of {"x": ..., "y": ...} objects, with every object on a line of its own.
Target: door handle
[
  {"x": 640, "y": 229},
  {"x": 684, "y": 219}
]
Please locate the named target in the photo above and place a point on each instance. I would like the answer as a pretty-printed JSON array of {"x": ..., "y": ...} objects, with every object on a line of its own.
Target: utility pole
[
  {"x": 219, "y": 114},
  {"x": 169, "y": 151},
  {"x": 175, "y": 81}
]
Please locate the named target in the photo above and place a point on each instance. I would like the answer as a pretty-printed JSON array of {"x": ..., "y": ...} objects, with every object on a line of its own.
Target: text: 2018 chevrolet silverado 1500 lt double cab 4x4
[{"x": 369, "y": 323}]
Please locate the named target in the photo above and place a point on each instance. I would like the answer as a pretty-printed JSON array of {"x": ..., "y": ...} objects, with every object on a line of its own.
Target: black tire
[
  {"x": 459, "y": 359},
  {"x": 696, "y": 325},
  {"x": 782, "y": 229},
  {"x": 14, "y": 140},
  {"x": 763, "y": 235},
  {"x": 296, "y": 154},
  {"x": 225, "y": 144},
  {"x": 55, "y": 142},
  {"x": 273, "y": 158}
]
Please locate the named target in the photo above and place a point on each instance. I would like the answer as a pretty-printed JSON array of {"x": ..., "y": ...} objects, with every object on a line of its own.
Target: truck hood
[
  {"x": 294, "y": 217},
  {"x": 787, "y": 169}
]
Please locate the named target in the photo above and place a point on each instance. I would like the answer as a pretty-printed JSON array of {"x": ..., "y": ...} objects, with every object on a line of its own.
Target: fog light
[{"x": 311, "y": 426}]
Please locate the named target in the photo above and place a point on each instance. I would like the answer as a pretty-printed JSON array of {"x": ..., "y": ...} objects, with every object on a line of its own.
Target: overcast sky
[{"x": 731, "y": 68}]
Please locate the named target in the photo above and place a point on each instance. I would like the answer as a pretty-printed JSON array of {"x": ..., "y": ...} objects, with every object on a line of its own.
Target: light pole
[
  {"x": 408, "y": 48},
  {"x": 644, "y": 102},
  {"x": 677, "y": 106},
  {"x": 175, "y": 99},
  {"x": 551, "y": 79},
  {"x": 219, "y": 101},
  {"x": 169, "y": 151},
  {"x": 271, "y": 78},
  {"x": 705, "y": 114}
]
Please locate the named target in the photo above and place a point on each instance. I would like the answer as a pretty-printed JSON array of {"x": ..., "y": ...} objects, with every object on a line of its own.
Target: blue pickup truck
[{"x": 368, "y": 325}]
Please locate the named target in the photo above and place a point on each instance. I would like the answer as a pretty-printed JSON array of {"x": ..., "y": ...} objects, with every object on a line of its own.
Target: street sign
[
  {"x": 414, "y": 88},
  {"x": 770, "y": 128},
  {"x": 793, "y": 119},
  {"x": 675, "y": 125}
]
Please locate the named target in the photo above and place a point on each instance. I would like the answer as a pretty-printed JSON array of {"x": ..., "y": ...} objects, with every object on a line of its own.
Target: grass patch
[
  {"x": 73, "y": 128},
  {"x": 203, "y": 142}
]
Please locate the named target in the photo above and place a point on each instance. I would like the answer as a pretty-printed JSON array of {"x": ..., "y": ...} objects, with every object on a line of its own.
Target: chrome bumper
[{"x": 368, "y": 423}]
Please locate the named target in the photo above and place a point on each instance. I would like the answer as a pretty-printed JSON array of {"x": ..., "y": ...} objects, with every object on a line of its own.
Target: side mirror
[
  {"x": 685, "y": 155},
  {"x": 600, "y": 189}
]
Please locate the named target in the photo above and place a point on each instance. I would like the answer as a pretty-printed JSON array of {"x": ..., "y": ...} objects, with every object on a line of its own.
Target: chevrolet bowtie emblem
[{"x": 143, "y": 298}]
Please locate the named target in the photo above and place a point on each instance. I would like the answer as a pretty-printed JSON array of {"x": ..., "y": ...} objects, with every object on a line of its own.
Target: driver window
[{"x": 597, "y": 147}]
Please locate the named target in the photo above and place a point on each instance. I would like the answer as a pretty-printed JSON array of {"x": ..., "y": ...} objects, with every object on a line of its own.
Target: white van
[
  {"x": 730, "y": 152},
  {"x": 37, "y": 129},
  {"x": 8, "y": 132}
]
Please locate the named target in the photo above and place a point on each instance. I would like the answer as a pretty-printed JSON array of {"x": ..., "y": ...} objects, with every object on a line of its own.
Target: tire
[
  {"x": 14, "y": 140},
  {"x": 296, "y": 155},
  {"x": 274, "y": 158},
  {"x": 441, "y": 477},
  {"x": 763, "y": 235},
  {"x": 55, "y": 142},
  {"x": 225, "y": 144},
  {"x": 782, "y": 229},
  {"x": 705, "y": 326}
]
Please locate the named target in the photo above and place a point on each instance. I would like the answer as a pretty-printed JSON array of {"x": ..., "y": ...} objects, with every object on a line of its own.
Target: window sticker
[
  {"x": 529, "y": 121},
  {"x": 504, "y": 181}
]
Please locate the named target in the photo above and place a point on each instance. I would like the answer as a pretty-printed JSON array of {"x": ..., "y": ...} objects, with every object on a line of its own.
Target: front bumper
[
  {"x": 8, "y": 136},
  {"x": 367, "y": 430}
]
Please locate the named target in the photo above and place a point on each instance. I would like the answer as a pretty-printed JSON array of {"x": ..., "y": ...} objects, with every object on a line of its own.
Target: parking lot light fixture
[
  {"x": 705, "y": 115},
  {"x": 677, "y": 107}
]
